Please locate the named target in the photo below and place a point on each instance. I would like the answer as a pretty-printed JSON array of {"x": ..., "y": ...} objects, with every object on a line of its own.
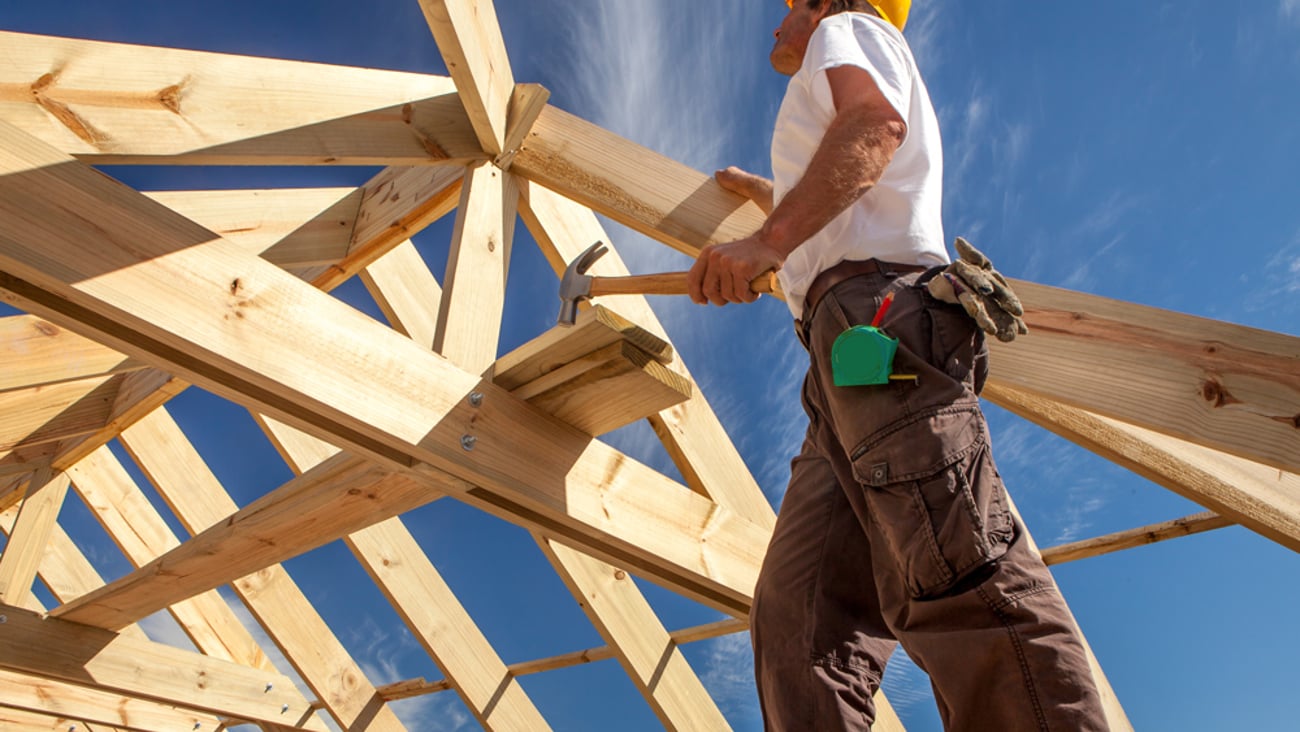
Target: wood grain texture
[
  {"x": 473, "y": 298},
  {"x": 34, "y": 352},
  {"x": 1259, "y": 497},
  {"x": 31, "y": 531},
  {"x": 469, "y": 38},
  {"x": 406, "y": 292},
  {"x": 116, "y": 103},
  {"x": 199, "y": 501},
  {"x": 73, "y": 653},
  {"x": 67, "y": 701},
  {"x": 1226, "y": 387},
  {"x": 1142, "y": 536},
  {"x": 56, "y": 411}
]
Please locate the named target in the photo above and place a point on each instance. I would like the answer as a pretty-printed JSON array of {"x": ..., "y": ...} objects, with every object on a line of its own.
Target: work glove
[{"x": 972, "y": 283}]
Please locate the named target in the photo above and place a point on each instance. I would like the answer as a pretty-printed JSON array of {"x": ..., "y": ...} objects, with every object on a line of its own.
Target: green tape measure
[{"x": 863, "y": 356}]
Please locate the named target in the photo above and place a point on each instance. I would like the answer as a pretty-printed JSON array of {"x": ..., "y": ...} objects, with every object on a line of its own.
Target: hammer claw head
[
  {"x": 589, "y": 257},
  {"x": 575, "y": 285}
]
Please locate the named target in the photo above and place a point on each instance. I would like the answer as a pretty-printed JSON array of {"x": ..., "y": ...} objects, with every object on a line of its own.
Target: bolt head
[
  {"x": 467, "y": 442},
  {"x": 476, "y": 398}
]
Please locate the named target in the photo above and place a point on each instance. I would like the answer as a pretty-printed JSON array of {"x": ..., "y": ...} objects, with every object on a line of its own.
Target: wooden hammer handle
[{"x": 668, "y": 283}]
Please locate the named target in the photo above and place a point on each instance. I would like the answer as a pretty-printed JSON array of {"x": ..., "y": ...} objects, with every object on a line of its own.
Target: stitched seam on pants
[
  {"x": 1020, "y": 656},
  {"x": 827, "y": 659},
  {"x": 1018, "y": 596}
]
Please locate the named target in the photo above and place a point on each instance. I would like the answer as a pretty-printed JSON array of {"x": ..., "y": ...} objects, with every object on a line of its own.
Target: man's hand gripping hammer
[{"x": 576, "y": 285}]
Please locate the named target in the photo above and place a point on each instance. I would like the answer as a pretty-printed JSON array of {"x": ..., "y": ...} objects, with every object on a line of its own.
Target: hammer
[{"x": 576, "y": 285}]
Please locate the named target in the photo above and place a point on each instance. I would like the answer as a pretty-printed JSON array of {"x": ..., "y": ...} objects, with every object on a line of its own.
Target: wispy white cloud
[
  {"x": 728, "y": 674},
  {"x": 1289, "y": 10},
  {"x": 906, "y": 686},
  {"x": 1050, "y": 479},
  {"x": 1277, "y": 285},
  {"x": 161, "y": 627}
]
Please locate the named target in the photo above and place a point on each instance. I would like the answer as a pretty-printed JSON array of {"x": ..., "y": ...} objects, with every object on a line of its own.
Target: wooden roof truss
[{"x": 132, "y": 296}]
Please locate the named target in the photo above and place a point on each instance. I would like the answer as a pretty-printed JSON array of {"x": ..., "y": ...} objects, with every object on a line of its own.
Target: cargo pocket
[{"x": 932, "y": 489}]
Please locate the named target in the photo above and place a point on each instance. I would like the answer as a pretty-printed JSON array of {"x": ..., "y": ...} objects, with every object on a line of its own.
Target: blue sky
[{"x": 1141, "y": 151}]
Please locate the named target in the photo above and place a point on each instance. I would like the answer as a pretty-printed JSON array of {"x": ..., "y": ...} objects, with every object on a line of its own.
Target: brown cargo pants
[{"x": 895, "y": 528}]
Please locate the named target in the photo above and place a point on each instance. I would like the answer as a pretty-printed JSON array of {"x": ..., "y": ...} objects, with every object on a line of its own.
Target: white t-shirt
[{"x": 899, "y": 219}]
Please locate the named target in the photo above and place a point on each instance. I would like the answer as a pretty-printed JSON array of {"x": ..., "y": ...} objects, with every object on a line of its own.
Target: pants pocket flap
[{"x": 918, "y": 447}]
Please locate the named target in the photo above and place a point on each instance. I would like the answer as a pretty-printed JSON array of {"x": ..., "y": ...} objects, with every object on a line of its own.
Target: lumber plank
[
  {"x": 1141, "y": 536},
  {"x": 55, "y": 698},
  {"x": 647, "y": 653},
  {"x": 396, "y": 205},
  {"x": 473, "y": 298},
  {"x": 57, "y": 649},
  {"x": 64, "y": 569},
  {"x": 248, "y": 331},
  {"x": 34, "y": 352},
  {"x": 596, "y": 328},
  {"x": 199, "y": 501},
  {"x": 469, "y": 38},
  {"x": 427, "y": 605},
  {"x": 32, "y": 528},
  {"x": 56, "y": 411},
  {"x": 690, "y": 431},
  {"x": 142, "y": 535},
  {"x": 1227, "y": 387},
  {"x": 22, "y": 720},
  {"x": 1259, "y": 497},
  {"x": 291, "y": 228},
  {"x": 607, "y": 389},
  {"x": 526, "y": 103},
  {"x": 115, "y": 103},
  {"x": 406, "y": 292},
  {"x": 647, "y": 192}
]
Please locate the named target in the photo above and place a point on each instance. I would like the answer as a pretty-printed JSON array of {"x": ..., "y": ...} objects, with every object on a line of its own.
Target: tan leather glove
[{"x": 972, "y": 283}]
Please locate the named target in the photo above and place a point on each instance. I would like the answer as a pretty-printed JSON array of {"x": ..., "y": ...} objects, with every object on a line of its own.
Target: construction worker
[{"x": 895, "y": 526}]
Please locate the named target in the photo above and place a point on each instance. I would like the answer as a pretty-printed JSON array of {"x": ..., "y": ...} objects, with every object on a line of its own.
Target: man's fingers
[{"x": 695, "y": 278}]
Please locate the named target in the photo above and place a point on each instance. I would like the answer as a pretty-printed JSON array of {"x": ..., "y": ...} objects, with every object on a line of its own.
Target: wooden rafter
[
  {"x": 1142, "y": 536},
  {"x": 1259, "y": 497},
  {"x": 40, "y": 353},
  {"x": 470, "y": 41},
  {"x": 199, "y": 500},
  {"x": 64, "y": 651},
  {"x": 414, "y": 418},
  {"x": 119, "y": 103},
  {"x": 66, "y": 701},
  {"x": 31, "y": 532}
]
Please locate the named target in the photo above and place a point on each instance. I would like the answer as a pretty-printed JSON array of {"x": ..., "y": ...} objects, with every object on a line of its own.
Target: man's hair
[{"x": 844, "y": 6}]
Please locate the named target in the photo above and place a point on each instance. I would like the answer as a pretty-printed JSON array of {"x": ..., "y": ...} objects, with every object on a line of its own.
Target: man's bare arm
[{"x": 851, "y": 158}]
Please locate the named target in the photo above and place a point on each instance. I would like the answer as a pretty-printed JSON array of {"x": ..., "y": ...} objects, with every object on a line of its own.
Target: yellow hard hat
[{"x": 894, "y": 11}]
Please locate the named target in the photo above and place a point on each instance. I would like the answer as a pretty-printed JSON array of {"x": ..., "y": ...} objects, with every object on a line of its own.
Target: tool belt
[{"x": 848, "y": 269}]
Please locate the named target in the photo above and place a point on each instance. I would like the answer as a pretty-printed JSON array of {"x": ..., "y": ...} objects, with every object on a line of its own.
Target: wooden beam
[
  {"x": 246, "y": 330},
  {"x": 114, "y": 103},
  {"x": 1259, "y": 497},
  {"x": 645, "y": 650},
  {"x": 1226, "y": 387},
  {"x": 418, "y": 593},
  {"x": 64, "y": 569},
  {"x": 1142, "y": 536},
  {"x": 141, "y": 533},
  {"x": 22, "y": 720},
  {"x": 475, "y": 283},
  {"x": 290, "y": 228},
  {"x": 199, "y": 501},
  {"x": 35, "y": 352},
  {"x": 635, "y": 186},
  {"x": 690, "y": 431},
  {"x": 526, "y": 104},
  {"x": 469, "y": 38},
  {"x": 56, "y": 411},
  {"x": 67, "y": 701},
  {"x": 57, "y": 649},
  {"x": 32, "y": 529},
  {"x": 396, "y": 205},
  {"x": 406, "y": 292}
]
